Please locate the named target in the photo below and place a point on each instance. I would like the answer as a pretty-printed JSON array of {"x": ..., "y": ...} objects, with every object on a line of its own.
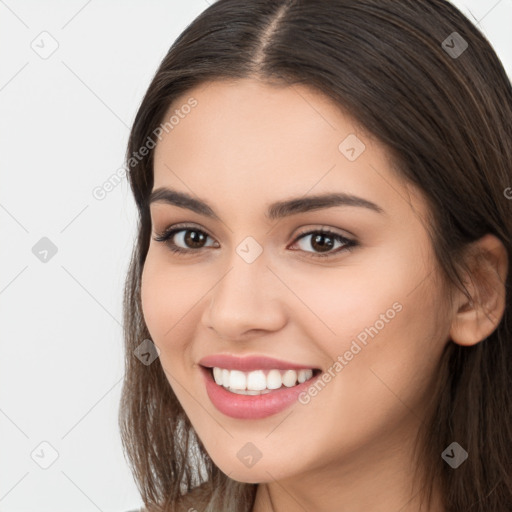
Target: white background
[{"x": 64, "y": 125}]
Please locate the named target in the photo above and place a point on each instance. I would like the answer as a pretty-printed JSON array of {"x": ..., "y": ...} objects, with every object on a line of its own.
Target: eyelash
[{"x": 166, "y": 236}]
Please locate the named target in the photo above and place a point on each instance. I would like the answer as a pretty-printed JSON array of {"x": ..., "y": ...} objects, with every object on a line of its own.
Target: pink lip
[
  {"x": 249, "y": 363},
  {"x": 252, "y": 407}
]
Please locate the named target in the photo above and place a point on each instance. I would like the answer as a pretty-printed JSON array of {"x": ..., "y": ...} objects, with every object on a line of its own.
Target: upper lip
[{"x": 250, "y": 363}]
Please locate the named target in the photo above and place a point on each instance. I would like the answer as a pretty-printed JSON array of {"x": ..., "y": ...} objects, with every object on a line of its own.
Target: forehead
[
  {"x": 256, "y": 116},
  {"x": 244, "y": 140}
]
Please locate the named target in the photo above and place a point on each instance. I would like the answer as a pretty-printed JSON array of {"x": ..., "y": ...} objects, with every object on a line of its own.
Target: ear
[{"x": 476, "y": 319}]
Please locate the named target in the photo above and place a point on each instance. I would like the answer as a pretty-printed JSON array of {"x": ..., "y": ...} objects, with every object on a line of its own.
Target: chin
[{"x": 259, "y": 473}]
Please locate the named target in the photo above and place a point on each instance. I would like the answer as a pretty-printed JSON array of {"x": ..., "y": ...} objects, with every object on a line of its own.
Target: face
[{"x": 345, "y": 288}]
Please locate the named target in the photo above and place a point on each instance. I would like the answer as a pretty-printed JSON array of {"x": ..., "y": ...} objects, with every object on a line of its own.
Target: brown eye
[
  {"x": 183, "y": 239},
  {"x": 323, "y": 242}
]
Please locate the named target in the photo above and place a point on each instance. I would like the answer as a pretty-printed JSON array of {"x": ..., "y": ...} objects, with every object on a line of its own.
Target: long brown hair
[{"x": 444, "y": 112}]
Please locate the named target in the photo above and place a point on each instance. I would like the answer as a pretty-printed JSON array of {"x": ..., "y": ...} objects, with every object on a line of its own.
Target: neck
[{"x": 374, "y": 480}]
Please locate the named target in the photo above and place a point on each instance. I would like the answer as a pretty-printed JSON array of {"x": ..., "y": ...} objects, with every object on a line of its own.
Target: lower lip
[{"x": 252, "y": 407}]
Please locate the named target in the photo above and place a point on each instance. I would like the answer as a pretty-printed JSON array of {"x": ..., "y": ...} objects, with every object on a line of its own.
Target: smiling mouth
[{"x": 260, "y": 382}]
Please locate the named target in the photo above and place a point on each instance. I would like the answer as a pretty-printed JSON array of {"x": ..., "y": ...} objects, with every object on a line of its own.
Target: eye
[
  {"x": 187, "y": 239},
  {"x": 188, "y": 236},
  {"x": 324, "y": 240}
]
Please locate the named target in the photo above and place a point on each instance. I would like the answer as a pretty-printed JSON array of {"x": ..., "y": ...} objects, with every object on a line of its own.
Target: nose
[{"x": 246, "y": 301}]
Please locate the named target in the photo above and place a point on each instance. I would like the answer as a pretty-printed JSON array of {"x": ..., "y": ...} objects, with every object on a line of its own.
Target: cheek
[
  {"x": 335, "y": 306},
  {"x": 168, "y": 297},
  {"x": 384, "y": 315},
  {"x": 389, "y": 340},
  {"x": 401, "y": 338}
]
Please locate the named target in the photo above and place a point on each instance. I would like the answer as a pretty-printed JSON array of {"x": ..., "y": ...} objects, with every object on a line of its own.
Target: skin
[{"x": 247, "y": 144}]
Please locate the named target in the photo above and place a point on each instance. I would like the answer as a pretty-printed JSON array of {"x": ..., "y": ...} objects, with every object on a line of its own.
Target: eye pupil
[{"x": 322, "y": 247}]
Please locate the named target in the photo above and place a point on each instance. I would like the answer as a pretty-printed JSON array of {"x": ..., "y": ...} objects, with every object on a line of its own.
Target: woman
[{"x": 318, "y": 307}]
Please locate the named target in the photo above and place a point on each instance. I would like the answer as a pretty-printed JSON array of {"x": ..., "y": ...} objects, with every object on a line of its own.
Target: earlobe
[{"x": 476, "y": 319}]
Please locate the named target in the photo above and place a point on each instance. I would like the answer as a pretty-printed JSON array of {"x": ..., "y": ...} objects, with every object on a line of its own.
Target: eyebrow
[{"x": 276, "y": 210}]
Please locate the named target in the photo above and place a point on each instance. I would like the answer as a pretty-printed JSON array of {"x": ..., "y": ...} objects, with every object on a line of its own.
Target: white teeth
[
  {"x": 290, "y": 378},
  {"x": 237, "y": 380},
  {"x": 302, "y": 376},
  {"x": 217, "y": 375},
  {"x": 256, "y": 382},
  {"x": 274, "y": 380}
]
